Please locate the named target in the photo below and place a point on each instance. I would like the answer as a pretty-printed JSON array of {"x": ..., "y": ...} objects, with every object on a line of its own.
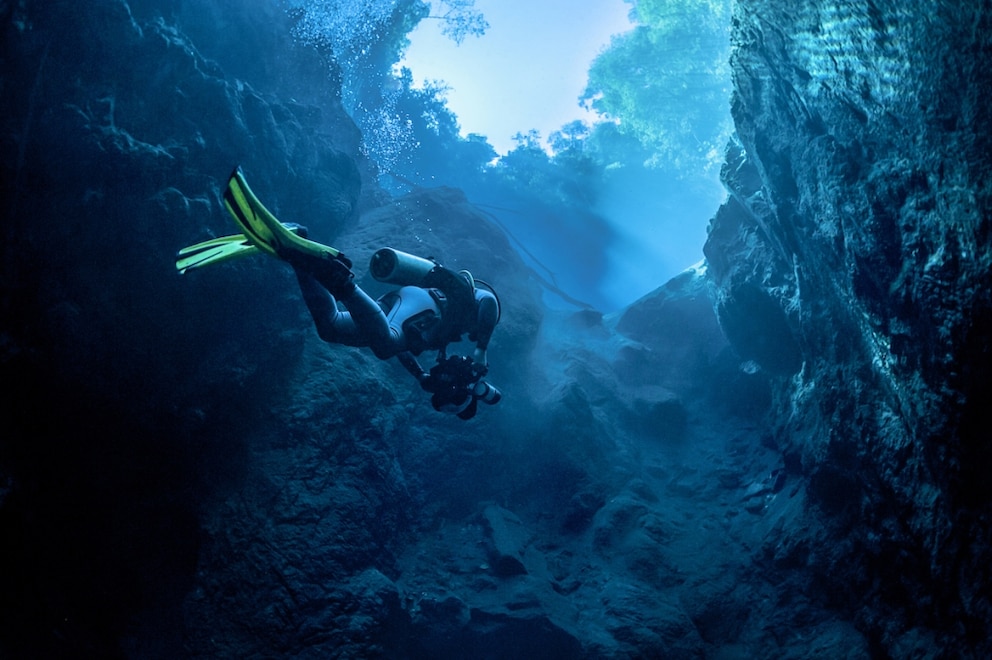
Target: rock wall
[
  {"x": 130, "y": 388},
  {"x": 853, "y": 264}
]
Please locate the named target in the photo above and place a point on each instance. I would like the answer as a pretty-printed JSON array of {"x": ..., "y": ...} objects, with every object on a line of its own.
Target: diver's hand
[{"x": 479, "y": 371}]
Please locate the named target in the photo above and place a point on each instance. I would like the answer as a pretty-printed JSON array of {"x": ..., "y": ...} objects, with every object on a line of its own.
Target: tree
[
  {"x": 460, "y": 19},
  {"x": 666, "y": 83}
]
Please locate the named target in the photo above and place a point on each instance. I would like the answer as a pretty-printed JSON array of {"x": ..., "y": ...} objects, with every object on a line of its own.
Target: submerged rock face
[
  {"x": 132, "y": 389},
  {"x": 856, "y": 243}
]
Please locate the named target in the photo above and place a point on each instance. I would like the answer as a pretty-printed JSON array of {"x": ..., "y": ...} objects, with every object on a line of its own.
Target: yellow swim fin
[
  {"x": 261, "y": 228},
  {"x": 214, "y": 251}
]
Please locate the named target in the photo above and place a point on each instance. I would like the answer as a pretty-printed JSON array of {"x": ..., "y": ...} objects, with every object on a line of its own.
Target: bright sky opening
[{"x": 528, "y": 70}]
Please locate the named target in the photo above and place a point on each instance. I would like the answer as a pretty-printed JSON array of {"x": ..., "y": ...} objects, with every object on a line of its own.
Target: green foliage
[
  {"x": 666, "y": 83},
  {"x": 565, "y": 178}
]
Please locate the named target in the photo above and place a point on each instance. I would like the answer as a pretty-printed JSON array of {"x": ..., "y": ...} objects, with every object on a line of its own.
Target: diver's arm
[
  {"x": 410, "y": 364},
  {"x": 488, "y": 316}
]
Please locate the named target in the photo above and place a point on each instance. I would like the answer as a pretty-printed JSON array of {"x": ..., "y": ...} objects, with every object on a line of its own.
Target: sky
[{"x": 528, "y": 70}]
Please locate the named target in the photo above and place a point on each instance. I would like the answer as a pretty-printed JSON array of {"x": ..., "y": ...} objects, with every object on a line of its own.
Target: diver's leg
[
  {"x": 371, "y": 324},
  {"x": 332, "y": 325},
  {"x": 364, "y": 324}
]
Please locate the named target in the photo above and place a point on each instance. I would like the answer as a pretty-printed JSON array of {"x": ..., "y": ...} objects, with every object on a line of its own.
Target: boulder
[{"x": 509, "y": 540}]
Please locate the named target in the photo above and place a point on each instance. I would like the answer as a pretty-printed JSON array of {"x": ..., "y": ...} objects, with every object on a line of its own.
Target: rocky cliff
[{"x": 852, "y": 262}]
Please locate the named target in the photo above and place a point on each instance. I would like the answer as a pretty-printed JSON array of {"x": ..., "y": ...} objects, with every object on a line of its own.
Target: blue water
[
  {"x": 182, "y": 460},
  {"x": 612, "y": 215}
]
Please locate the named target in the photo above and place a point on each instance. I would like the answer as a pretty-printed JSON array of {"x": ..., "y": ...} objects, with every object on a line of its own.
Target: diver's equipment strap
[{"x": 459, "y": 314}]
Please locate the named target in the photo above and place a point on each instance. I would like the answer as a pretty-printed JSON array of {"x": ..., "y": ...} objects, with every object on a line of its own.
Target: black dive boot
[{"x": 334, "y": 273}]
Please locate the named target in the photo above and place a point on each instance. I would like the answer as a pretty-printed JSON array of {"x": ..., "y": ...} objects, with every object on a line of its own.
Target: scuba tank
[
  {"x": 400, "y": 268},
  {"x": 454, "y": 292}
]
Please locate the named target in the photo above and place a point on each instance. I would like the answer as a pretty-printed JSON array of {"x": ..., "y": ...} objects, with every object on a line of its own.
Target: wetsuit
[{"x": 401, "y": 321}]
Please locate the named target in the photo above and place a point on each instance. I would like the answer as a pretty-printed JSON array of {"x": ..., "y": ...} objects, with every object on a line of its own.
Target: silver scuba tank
[{"x": 398, "y": 267}]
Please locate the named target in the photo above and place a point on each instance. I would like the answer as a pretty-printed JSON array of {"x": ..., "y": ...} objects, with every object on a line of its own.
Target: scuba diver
[
  {"x": 441, "y": 308},
  {"x": 432, "y": 307}
]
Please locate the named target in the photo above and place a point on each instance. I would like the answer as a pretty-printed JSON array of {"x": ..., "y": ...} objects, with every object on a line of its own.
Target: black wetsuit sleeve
[
  {"x": 488, "y": 310},
  {"x": 410, "y": 363}
]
